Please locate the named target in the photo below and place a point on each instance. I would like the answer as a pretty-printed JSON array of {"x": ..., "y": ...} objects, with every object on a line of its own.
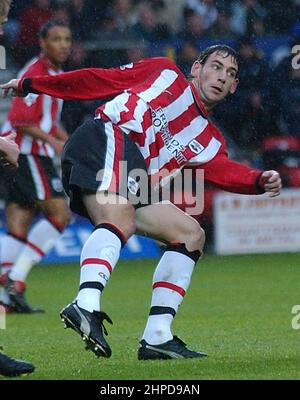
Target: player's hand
[
  {"x": 9, "y": 151},
  {"x": 11, "y": 87},
  {"x": 271, "y": 182},
  {"x": 57, "y": 144}
]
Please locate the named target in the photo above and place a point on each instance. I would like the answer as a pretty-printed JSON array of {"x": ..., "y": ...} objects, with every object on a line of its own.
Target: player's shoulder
[
  {"x": 162, "y": 62},
  {"x": 35, "y": 66}
]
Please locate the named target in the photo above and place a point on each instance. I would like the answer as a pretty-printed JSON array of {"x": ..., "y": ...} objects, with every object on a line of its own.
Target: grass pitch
[{"x": 238, "y": 309}]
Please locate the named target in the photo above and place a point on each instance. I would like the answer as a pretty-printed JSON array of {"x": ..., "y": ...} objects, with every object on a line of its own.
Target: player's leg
[
  {"x": 114, "y": 224},
  {"x": 111, "y": 214},
  {"x": 41, "y": 238},
  {"x": 19, "y": 219},
  {"x": 38, "y": 183},
  {"x": 49, "y": 197},
  {"x": 45, "y": 233},
  {"x": 185, "y": 240}
]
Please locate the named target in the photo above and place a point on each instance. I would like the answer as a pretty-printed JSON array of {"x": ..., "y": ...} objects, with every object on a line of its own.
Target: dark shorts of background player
[
  {"x": 85, "y": 154},
  {"x": 36, "y": 179}
]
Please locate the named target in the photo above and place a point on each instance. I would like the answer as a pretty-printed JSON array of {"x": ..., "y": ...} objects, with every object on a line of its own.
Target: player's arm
[
  {"x": 61, "y": 133},
  {"x": 89, "y": 83},
  {"x": 25, "y": 116},
  {"x": 234, "y": 177},
  {"x": 37, "y": 133}
]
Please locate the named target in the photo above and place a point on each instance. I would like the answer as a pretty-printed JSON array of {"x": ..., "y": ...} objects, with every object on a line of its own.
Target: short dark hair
[
  {"x": 219, "y": 49},
  {"x": 49, "y": 25}
]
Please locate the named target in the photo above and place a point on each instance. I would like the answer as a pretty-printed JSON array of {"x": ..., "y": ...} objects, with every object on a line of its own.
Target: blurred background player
[
  {"x": 36, "y": 186},
  {"x": 9, "y": 153}
]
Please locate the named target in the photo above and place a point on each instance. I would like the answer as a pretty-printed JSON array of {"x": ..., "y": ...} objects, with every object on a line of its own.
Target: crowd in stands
[{"x": 261, "y": 118}]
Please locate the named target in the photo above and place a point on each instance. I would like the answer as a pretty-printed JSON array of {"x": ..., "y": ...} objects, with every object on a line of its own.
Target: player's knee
[
  {"x": 123, "y": 217},
  {"x": 195, "y": 239},
  {"x": 127, "y": 223},
  {"x": 18, "y": 229},
  {"x": 60, "y": 219},
  {"x": 18, "y": 232},
  {"x": 63, "y": 217}
]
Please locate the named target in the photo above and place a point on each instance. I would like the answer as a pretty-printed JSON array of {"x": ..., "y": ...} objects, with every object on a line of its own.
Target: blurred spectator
[
  {"x": 148, "y": 27},
  {"x": 187, "y": 55},
  {"x": 75, "y": 112},
  {"x": 123, "y": 11},
  {"x": 281, "y": 14},
  {"x": 257, "y": 27},
  {"x": 169, "y": 12},
  {"x": 99, "y": 9},
  {"x": 247, "y": 115},
  {"x": 254, "y": 70},
  {"x": 17, "y": 6},
  {"x": 221, "y": 28},
  {"x": 289, "y": 103},
  {"x": 31, "y": 19},
  {"x": 193, "y": 30},
  {"x": 108, "y": 28},
  {"x": 206, "y": 9},
  {"x": 172, "y": 14},
  {"x": 243, "y": 12},
  {"x": 254, "y": 122},
  {"x": 158, "y": 5},
  {"x": 283, "y": 78},
  {"x": 82, "y": 19},
  {"x": 283, "y": 154},
  {"x": 252, "y": 97},
  {"x": 61, "y": 13}
]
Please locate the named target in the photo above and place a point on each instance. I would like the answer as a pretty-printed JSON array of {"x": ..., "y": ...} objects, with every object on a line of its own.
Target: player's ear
[
  {"x": 196, "y": 68},
  {"x": 234, "y": 86}
]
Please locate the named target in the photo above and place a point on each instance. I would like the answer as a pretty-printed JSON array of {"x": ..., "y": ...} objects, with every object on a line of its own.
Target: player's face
[
  {"x": 57, "y": 45},
  {"x": 215, "y": 79}
]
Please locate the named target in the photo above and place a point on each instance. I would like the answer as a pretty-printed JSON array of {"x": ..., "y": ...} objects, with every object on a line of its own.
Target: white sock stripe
[{"x": 94, "y": 273}]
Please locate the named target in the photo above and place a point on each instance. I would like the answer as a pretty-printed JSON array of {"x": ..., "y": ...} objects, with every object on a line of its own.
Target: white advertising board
[{"x": 257, "y": 224}]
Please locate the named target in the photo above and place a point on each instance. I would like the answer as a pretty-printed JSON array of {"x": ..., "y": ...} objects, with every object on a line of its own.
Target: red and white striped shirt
[
  {"x": 34, "y": 110},
  {"x": 162, "y": 113},
  {"x": 162, "y": 118}
]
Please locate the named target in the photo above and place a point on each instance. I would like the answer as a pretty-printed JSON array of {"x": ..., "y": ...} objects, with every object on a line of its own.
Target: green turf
[{"x": 238, "y": 309}]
